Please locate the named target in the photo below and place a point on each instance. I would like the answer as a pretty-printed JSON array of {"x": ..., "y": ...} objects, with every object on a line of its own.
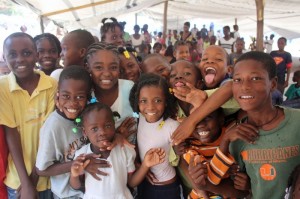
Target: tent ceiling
[{"x": 280, "y": 16}]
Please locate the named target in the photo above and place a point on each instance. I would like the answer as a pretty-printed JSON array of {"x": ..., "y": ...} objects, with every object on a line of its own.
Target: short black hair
[
  {"x": 157, "y": 81},
  {"x": 264, "y": 58},
  {"x": 110, "y": 26},
  {"x": 297, "y": 73},
  {"x": 226, "y": 27},
  {"x": 51, "y": 38},
  {"x": 192, "y": 65},
  {"x": 83, "y": 38},
  {"x": 95, "y": 106},
  {"x": 283, "y": 38},
  {"x": 77, "y": 73},
  {"x": 179, "y": 43},
  {"x": 18, "y": 34},
  {"x": 187, "y": 24}
]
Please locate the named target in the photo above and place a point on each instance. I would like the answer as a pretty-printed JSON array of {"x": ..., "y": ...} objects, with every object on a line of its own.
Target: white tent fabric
[{"x": 280, "y": 16}]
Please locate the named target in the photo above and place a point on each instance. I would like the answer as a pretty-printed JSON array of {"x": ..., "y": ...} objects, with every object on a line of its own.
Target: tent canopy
[{"x": 282, "y": 17}]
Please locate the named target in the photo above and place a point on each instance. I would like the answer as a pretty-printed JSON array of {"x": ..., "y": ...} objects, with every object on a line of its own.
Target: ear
[
  {"x": 230, "y": 70},
  {"x": 273, "y": 84},
  {"x": 174, "y": 53},
  {"x": 56, "y": 99},
  {"x": 82, "y": 52}
]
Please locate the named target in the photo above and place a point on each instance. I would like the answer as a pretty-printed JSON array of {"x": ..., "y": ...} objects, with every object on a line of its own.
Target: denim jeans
[{"x": 12, "y": 194}]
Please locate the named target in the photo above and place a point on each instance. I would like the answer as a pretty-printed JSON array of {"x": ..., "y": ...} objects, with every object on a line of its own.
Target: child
[
  {"x": 181, "y": 51},
  {"x": 112, "y": 32},
  {"x": 103, "y": 65},
  {"x": 48, "y": 48},
  {"x": 59, "y": 137},
  {"x": 204, "y": 142},
  {"x": 293, "y": 185},
  {"x": 283, "y": 61},
  {"x": 26, "y": 98},
  {"x": 157, "y": 47},
  {"x": 129, "y": 64},
  {"x": 239, "y": 45},
  {"x": 150, "y": 97},
  {"x": 265, "y": 143},
  {"x": 156, "y": 64},
  {"x": 293, "y": 91},
  {"x": 98, "y": 126},
  {"x": 74, "y": 46},
  {"x": 227, "y": 41}
]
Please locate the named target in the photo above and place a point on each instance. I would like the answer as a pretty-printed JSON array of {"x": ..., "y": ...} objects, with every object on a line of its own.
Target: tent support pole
[
  {"x": 42, "y": 24},
  {"x": 165, "y": 20},
  {"x": 260, "y": 4}
]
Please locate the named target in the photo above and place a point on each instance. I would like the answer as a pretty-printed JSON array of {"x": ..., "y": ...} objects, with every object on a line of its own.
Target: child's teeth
[
  {"x": 71, "y": 110},
  {"x": 203, "y": 133},
  {"x": 246, "y": 97}
]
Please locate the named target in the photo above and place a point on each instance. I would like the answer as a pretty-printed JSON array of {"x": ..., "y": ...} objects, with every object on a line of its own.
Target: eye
[
  {"x": 66, "y": 97},
  {"x": 256, "y": 78},
  {"x": 157, "y": 100},
  {"x": 142, "y": 101},
  {"x": 53, "y": 51},
  {"x": 114, "y": 68},
  {"x": 80, "y": 97},
  {"x": 27, "y": 53},
  {"x": 94, "y": 129},
  {"x": 172, "y": 75},
  {"x": 236, "y": 80},
  {"x": 204, "y": 59},
  {"x": 114, "y": 37},
  {"x": 12, "y": 55},
  {"x": 107, "y": 126},
  {"x": 187, "y": 73}
]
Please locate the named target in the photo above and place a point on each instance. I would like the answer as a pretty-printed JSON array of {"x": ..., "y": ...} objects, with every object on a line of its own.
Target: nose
[{"x": 246, "y": 85}]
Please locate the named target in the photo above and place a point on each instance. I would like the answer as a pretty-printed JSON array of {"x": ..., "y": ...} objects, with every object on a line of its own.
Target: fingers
[
  {"x": 241, "y": 181},
  {"x": 151, "y": 177}
]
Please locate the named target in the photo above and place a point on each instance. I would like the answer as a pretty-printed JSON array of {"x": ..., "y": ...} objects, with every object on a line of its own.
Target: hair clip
[
  {"x": 170, "y": 90},
  {"x": 161, "y": 124},
  {"x": 135, "y": 115},
  {"x": 93, "y": 100},
  {"x": 108, "y": 20},
  {"x": 134, "y": 53},
  {"x": 77, "y": 123},
  {"x": 126, "y": 54}
]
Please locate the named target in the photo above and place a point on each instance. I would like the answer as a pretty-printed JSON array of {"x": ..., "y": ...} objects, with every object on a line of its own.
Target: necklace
[{"x": 270, "y": 121}]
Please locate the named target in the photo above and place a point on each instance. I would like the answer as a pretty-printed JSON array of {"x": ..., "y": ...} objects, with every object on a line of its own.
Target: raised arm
[{"x": 212, "y": 103}]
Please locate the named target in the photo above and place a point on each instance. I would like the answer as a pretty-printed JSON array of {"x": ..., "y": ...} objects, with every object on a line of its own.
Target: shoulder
[
  {"x": 125, "y": 85},
  {"x": 171, "y": 123},
  {"x": 83, "y": 150},
  {"x": 55, "y": 74}
]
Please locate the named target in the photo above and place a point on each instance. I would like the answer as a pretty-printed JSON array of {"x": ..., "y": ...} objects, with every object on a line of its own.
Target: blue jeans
[{"x": 12, "y": 194}]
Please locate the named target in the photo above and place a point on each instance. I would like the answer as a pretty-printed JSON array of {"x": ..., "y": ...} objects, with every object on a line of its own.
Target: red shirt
[{"x": 3, "y": 163}]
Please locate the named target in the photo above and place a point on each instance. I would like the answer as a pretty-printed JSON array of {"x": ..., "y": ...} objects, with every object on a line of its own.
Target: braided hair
[
  {"x": 100, "y": 46},
  {"x": 51, "y": 38},
  {"x": 109, "y": 24},
  {"x": 126, "y": 50}
]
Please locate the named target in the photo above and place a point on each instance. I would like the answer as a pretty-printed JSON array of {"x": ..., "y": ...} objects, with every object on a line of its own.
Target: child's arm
[
  {"x": 152, "y": 158},
  {"x": 28, "y": 188},
  {"x": 77, "y": 169},
  {"x": 126, "y": 127},
  {"x": 242, "y": 181},
  {"x": 55, "y": 169},
  {"x": 218, "y": 98},
  {"x": 198, "y": 175}
]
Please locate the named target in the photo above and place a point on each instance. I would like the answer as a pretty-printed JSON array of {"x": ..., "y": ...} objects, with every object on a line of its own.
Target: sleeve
[
  {"x": 48, "y": 151},
  {"x": 218, "y": 167},
  {"x": 289, "y": 92},
  {"x": 235, "y": 149},
  {"x": 173, "y": 158},
  {"x": 130, "y": 157},
  {"x": 50, "y": 97},
  {"x": 7, "y": 116},
  {"x": 289, "y": 61}
]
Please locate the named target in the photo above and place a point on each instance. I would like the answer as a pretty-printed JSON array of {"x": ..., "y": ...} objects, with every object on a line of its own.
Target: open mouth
[
  {"x": 21, "y": 67},
  {"x": 70, "y": 110},
  {"x": 210, "y": 74},
  {"x": 179, "y": 84},
  {"x": 106, "y": 81},
  {"x": 150, "y": 114},
  {"x": 246, "y": 97}
]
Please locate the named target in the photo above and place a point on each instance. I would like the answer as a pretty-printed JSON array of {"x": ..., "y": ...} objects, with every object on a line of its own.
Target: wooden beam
[
  {"x": 165, "y": 20},
  {"x": 42, "y": 24},
  {"x": 260, "y": 5},
  {"x": 77, "y": 8}
]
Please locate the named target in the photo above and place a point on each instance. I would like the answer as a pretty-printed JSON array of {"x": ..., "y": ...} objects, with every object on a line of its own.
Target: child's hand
[
  {"x": 125, "y": 128},
  {"x": 154, "y": 156},
  {"x": 78, "y": 165},
  {"x": 242, "y": 181},
  {"x": 246, "y": 132},
  {"x": 191, "y": 95},
  {"x": 197, "y": 171},
  {"x": 95, "y": 164},
  {"x": 202, "y": 194},
  {"x": 180, "y": 149},
  {"x": 118, "y": 140},
  {"x": 183, "y": 131}
]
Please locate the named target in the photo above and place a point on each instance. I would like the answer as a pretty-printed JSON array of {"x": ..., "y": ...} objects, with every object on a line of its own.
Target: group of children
[{"x": 190, "y": 138}]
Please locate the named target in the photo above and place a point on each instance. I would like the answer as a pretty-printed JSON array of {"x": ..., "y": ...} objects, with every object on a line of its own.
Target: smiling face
[
  {"x": 20, "y": 56},
  {"x": 152, "y": 103},
  {"x": 71, "y": 54},
  {"x": 156, "y": 65},
  {"x": 182, "y": 72},
  {"x": 48, "y": 54},
  {"x": 72, "y": 97},
  {"x": 129, "y": 68},
  {"x": 209, "y": 129},
  {"x": 99, "y": 127},
  {"x": 103, "y": 65},
  {"x": 251, "y": 85},
  {"x": 182, "y": 52},
  {"x": 114, "y": 37},
  {"x": 213, "y": 66}
]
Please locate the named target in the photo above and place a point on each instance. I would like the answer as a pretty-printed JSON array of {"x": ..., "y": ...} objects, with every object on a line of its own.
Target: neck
[
  {"x": 28, "y": 83},
  {"x": 104, "y": 153},
  {"x": 108, "y": 96},
  {"x": 264, "y": 118},
  {"x": 185, "y": 107}
]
